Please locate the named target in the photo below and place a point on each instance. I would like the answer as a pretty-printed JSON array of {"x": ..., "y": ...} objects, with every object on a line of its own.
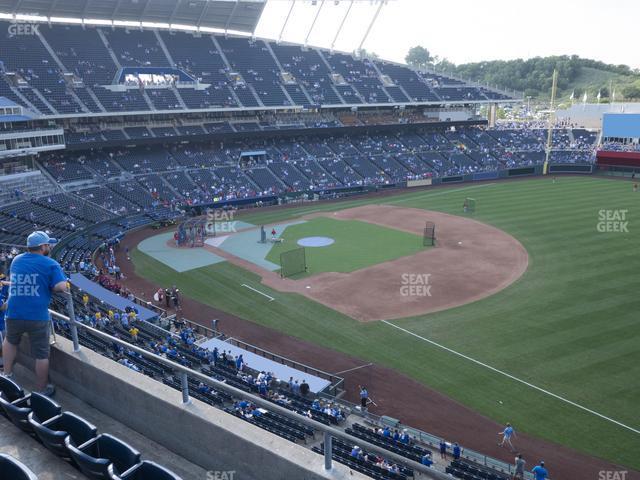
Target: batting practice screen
[
  {"x": 429, "y": 238},
  {"x": 293, "y": 262}
]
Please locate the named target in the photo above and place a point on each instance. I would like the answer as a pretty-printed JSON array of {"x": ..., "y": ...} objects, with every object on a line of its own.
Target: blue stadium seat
[
  {"x": 18, "y": 411},
  {"x": 103, "y": 457},
  {"x": 10, "y": 390},
  {"x": 53, "y": 432},
  {"x": 12, "y": 469},
  {"x": 148, "y": 471}
]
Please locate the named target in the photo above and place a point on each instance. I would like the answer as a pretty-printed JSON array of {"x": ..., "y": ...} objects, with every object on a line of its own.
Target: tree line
[{"x": 534, "y": 76}]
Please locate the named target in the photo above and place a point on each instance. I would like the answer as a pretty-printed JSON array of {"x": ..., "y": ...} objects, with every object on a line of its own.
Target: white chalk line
[
  {"x": 271, "y": 299},
  {"x": 508, "y": 375},
  {"x": 352, "y": 369}
]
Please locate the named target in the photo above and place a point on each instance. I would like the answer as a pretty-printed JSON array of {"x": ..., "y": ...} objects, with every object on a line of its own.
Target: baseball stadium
[{"x": 287, "y": 261}]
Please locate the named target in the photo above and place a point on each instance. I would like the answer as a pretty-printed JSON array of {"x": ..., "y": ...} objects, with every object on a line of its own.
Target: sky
[{"x": 467, "y": 30}]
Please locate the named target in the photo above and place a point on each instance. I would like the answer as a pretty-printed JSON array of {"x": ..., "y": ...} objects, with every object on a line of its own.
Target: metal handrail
[{"x": 184, "y": 372}]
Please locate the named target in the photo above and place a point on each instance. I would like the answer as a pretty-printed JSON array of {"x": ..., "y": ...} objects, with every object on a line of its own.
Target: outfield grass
[
  {"x": 569, "y": 325},
  {"x": 357, "y": 245}
]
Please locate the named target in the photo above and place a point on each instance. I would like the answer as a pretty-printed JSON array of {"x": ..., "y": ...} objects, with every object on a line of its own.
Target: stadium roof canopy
[{"x": 235, "y": 15}]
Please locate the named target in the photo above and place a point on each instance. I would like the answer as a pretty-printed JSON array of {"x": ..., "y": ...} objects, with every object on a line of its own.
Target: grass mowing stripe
[
  {"x": 546, "y": 392},
  {"x": 561, "y": 326}
]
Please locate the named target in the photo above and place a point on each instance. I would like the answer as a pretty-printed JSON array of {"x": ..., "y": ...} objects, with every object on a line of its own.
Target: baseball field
[
  {"x": 556, "y": 353},
  {"x": 356, "y": 245}
]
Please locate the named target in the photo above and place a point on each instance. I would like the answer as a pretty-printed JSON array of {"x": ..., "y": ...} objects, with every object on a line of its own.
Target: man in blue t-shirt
[
  {"x": 539, "y": 472},
  {"x": 33, "y": 277}
]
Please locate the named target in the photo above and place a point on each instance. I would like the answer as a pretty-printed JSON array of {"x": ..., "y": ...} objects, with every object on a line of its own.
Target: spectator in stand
[
  {"x": 34, "y": 278},
  {"x": 215, "y": 356},
  {"x": 85, "y": 299},
  {"x": 540, "y": 472},
  {"x": 124, "y": 321},
  {"x": 443, "y": 449},
  {"x": 404, "y": 438},
  {"x": 239, "y": 362},
  {"x": 364, "y": 397},
  {"x": 304, "y": 388},
  {"x": 262, "y": 388},
  {"x": 129, "y": 364},
  {"x": 133, "y": 331},
  {"x": 202, "y": 388},
  {"x": 456, "y": 451},
  {"x": 426, "y": 459},
  {"x": 519, "y": 464},
  {"x": 356, "y": 452}
]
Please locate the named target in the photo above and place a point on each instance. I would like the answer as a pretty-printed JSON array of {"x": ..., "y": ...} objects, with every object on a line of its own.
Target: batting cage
[
  {"x": 429, "y": 238},
  {"x": 469, "y": 205},
  {"x": 191, "y": 233},
  {"x": 293, "y": 262}
]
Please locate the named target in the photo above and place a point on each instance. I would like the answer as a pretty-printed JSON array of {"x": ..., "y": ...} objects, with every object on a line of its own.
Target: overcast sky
[{"x": 469, "y": 30}]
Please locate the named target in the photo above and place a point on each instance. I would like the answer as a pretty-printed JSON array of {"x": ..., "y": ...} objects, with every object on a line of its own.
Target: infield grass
[
  {"x": 570, "y": 324},
  {"x": 356, "y": 245}
]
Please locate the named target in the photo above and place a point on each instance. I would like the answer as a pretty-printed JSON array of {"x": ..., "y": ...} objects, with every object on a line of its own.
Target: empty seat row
[{"x": 72, "y": 438}]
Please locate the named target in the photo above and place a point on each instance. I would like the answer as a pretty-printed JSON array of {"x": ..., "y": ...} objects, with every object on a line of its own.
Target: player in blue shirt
[
  {"x": 540, "y": 472},
  {"x": 34, "y": 277},
  {"x": 507, "y": 434}
]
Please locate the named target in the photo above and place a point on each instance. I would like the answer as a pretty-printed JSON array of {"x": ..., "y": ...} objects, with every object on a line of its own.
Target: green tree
[
  {"x": 364, "y": 53},
  {"x": 418, "y": 57},
  {"x": 444, "y": 65},
  {"x": 632, "y": 91}
]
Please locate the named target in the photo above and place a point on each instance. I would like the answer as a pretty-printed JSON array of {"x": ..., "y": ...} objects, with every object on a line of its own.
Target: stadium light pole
[
  {"x": 373, "y": 20},
  {"x": 313, "y": 24},
  {"x": 286, "y": 20},
  {"x": 344, "y": 19}
]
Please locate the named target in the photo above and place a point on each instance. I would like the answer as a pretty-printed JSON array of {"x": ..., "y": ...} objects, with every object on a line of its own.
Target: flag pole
[{"x": 554, "y": 87}]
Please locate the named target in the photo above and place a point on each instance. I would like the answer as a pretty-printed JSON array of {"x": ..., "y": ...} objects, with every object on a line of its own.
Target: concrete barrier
[{"x": 206, "y": 436}]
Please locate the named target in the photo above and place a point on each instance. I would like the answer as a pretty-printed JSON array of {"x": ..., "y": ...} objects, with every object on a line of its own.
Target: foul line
[
  {"x": 558, "y": 397},
  {"x": 271, "y": 299},
  {"x": 352, "y": 369}
]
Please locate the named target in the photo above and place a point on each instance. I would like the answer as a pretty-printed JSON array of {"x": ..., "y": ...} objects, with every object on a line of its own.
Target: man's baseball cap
[{"x": 38, "y": 238}]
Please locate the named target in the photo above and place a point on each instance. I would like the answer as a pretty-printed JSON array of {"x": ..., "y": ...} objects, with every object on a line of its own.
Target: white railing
[{"x": 328, "y": 431}]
